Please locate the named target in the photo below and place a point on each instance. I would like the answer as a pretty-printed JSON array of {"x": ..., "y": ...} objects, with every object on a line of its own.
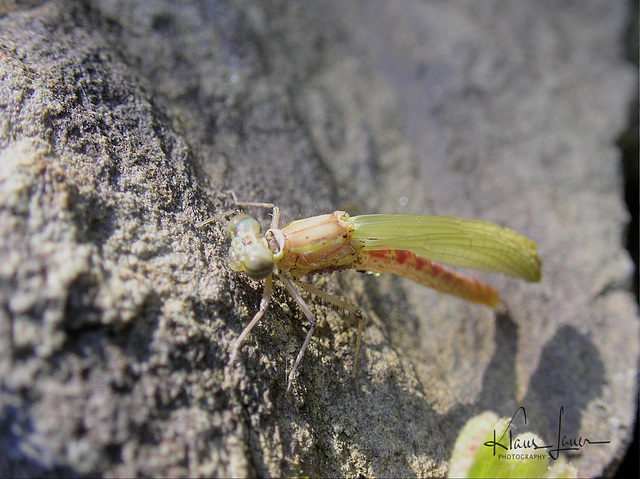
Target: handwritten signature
[{"x": 563, "y": 443}]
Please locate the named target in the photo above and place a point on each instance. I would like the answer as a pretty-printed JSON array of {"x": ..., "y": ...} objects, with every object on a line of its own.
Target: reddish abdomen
[{"x": 427, "y": 273}]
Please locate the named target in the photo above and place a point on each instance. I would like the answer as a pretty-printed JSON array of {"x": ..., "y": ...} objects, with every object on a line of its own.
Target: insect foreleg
[
  {"x": 264, "y": 304},
  {"x": 275, "y": 217}
]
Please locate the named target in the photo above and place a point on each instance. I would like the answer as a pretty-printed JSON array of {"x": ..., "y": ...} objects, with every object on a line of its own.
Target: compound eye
[
  {"x": 259, "y": 266},
  {"x": 242, "y": 224}
]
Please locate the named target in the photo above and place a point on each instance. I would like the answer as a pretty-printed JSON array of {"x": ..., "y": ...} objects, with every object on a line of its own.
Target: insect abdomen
[{"x": 427, "y": 273}]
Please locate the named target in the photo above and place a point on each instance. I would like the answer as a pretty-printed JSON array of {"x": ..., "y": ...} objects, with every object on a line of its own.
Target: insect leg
[
  {"x": 358, "y": 315},
  {"x": 275, "y": 217},
  {"x": 215, "y": 218},
  {"x": 341, "y": 304},
  {"x": 220, "y": 215},
  {"x": 310, "y": 317},
  {"x": 264, "y": 303}
]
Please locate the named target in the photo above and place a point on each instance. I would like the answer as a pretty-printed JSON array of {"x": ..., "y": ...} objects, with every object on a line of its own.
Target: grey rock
[{"x": 123, "y": 123}]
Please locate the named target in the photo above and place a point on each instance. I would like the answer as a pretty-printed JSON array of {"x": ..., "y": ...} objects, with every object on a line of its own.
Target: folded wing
[{"x": 468, "y": 243}]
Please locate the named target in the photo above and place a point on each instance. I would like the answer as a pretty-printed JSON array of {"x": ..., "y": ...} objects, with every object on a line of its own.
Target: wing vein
[{"x": 453, "y": 241}]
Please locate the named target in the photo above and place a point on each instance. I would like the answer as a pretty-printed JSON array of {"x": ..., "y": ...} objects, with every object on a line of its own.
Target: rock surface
[{"x": 122, "y": 123}]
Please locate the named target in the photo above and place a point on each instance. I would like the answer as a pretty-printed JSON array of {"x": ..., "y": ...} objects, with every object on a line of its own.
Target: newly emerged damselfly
[{"x": 409, "y": 246}]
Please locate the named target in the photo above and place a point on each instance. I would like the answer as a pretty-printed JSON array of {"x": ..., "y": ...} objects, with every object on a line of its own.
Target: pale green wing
[{"x": 453, "y": 241}]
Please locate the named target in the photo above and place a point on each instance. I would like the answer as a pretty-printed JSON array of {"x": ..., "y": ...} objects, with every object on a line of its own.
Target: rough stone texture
[{"x": 122, "y": 123}]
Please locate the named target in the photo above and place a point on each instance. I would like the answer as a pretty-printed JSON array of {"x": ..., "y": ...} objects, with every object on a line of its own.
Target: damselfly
[{"x": 409, "y": 246}]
